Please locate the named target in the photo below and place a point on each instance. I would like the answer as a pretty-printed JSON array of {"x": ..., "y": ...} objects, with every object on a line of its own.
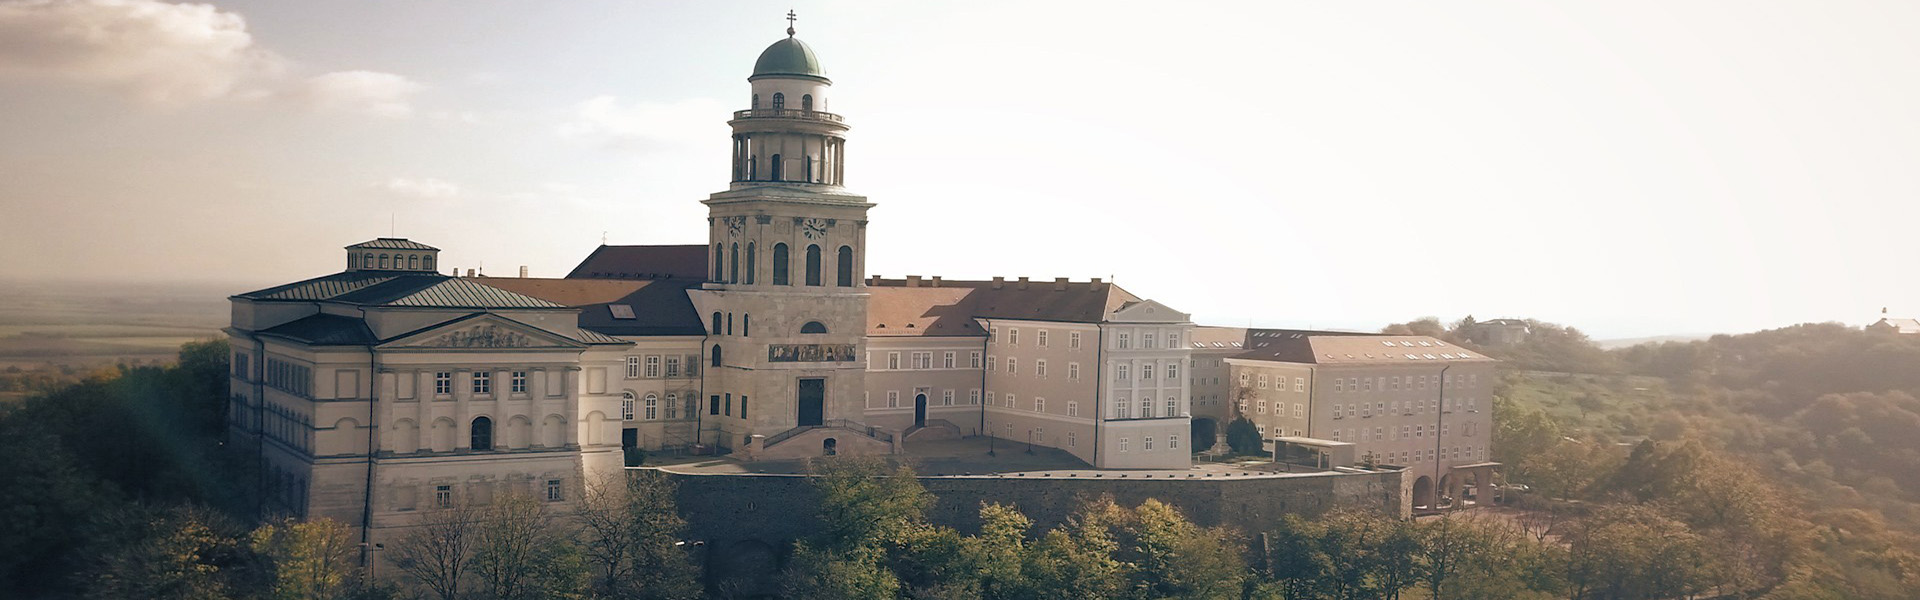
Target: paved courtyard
[{"x": 969, "y": 458}]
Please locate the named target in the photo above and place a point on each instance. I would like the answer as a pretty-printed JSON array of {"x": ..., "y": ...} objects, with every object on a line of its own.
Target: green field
[{"x": 88, "y": 324}]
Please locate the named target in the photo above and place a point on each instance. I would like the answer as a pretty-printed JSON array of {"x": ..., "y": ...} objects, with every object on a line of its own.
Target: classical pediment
[
  {"x": 482, "y": 332},
  {"x": 1148, "y": 311}
]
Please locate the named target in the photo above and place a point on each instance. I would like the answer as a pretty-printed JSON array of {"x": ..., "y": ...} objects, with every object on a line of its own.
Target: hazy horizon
[{"x": 1629, "y": 168}]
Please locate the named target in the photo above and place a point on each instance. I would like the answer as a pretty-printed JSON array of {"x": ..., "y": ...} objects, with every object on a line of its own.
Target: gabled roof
[
  {"x": 388, "y": 288},
  {"x": 391, "y": 244},
  {"x": 1362, "y": 349},
  {"x": 659, "y": 307},
  {"x": 325, "y": 330},
  {"x": 1900, "y": 325},
  {"x": 921, "y": 311},
  {"x": 1073, "y": 302},
  {"x": 644, "y": 262}
]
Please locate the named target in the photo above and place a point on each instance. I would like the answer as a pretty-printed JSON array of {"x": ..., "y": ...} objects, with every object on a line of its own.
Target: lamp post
[
  {"x": 1029, "y": 441},
  {"x": 990, "y": 442}
]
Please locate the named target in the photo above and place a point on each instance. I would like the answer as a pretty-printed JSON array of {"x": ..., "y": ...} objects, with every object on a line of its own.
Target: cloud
[
  {"x": 426, "y": 188},
  {"x": 647, "y": 124},
  {"x": 364, "y": 92},
  {"x": 173, "y": 54},
  {"x": 159, "y": 52}
]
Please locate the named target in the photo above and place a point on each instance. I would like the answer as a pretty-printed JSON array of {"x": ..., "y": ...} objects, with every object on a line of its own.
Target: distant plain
[{"x": 51, "y": 324}]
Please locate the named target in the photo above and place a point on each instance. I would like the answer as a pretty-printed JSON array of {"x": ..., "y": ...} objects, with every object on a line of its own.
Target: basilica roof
[
  {"x": 788, "y": 57},
  {"x": 391, "y": 288},
  {"x": 620, "y": 307}
]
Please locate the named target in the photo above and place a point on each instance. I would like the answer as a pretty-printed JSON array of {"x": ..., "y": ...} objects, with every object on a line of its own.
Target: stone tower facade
[{"x": 786, "y": 301}]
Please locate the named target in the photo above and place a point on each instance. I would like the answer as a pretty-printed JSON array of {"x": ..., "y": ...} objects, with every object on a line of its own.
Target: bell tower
[{"x": 785, "y": 302}]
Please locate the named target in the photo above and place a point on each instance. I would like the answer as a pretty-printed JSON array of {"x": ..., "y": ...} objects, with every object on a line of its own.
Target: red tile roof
[{"x": 644, "y": 262}]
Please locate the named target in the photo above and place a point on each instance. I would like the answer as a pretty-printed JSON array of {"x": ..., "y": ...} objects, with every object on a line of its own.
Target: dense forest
[{"x": 1778, "y": 464}]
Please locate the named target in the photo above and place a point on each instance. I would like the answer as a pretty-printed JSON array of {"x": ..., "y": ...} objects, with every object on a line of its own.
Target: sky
[{"x": 1632, "y": 168}]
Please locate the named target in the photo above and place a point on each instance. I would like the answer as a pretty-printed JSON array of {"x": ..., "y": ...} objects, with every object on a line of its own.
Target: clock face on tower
[
  {"x": 814, "y": 228},
  {"x": 734, "y": 224}
]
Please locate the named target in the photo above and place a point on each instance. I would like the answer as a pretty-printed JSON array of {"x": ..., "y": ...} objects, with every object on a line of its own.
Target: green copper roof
[{"x": 789, "y": 57}]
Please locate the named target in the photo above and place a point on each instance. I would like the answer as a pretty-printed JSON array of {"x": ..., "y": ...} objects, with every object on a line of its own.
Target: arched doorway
[
  {"x": 1423, "y": 492},
  {"x": 919, "y": 410},
  {"x": 829, "y": 447}
]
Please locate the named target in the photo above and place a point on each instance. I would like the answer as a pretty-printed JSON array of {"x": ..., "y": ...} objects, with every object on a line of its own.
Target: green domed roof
[{"x": 788, "y": 57}]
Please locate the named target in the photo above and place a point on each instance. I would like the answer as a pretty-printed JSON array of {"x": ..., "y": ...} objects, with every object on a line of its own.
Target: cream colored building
[
  {"x": 1411, "y": 401},
  {"x": 389, "y": 387}
]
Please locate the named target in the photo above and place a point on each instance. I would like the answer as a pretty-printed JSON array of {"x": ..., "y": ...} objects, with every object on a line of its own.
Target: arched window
[
  {"x": 426, "y": 262},
  {"x": 383, "y": 261},
  {"x": 716, "y": 322},
  {"x": 729, "y": 323},
  {"x": 482, "y": 434},
  {"x": 753, "y": 171},
  {"x": 809, "y": 168},
  {"x": 733, "y": 264},
  {"x": 750, "y": 254},
  {"x": 813, "y": 327},
  {"x": 716, "y": 355},
  {"x": 652, "y": 407},
  {"x": 413, "y": 262},
  {"x": 813, "y": 264},
  {"x": 775, "y": 171},
  {"x": 806, "y": 102},
  {"x": 779, "y": 101},
  {"x": 756, "y": 101},
  {"x": 366, "y": 260},
  {"x": 845, "y": 274},
  {"x": 746, "y": 325},
  {"x": 626, "y": 406},
  {"x": 780, "y": 264},
  {"x": 718, "y": 259}
]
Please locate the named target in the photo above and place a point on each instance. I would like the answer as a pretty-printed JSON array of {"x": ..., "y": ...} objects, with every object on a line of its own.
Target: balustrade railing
[
  {"x": 853, "y": 426},
  {"x": 787, "y": 113}
]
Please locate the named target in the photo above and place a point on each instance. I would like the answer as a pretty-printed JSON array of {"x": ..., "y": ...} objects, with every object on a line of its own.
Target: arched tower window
[
  {"x": 729, "y": 323},
  {"x": 383, "y": 261},
  {"x": 426, "y": 262},
  {"x": 716, "y": 355},
  {"x": 780, "y": 265},
  {"x": 716, "y": 322},
  {"x": 844, "y": 275},
  {"x": 733, "y": 264},
  {"x": 806, "y": 102},
  {"x": 756, "y": 101},
  {"x": 718, "y": 259},
  {"x": 750, "y": 254},
  {"x": 413, "y": 262},
  {"x": 810, "y": 168},
  {"x": 746, "y": 325},
  {"x": 775, "y": 171},
  {"x": 813, "y": 264},
  {"x": 482, "y": 434},
  {"x": 779, "y": 101},
  {"x": 813, "y": 327}
]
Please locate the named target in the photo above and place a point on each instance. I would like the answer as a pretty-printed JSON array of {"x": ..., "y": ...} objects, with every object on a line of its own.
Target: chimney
[
  {"x": 874, "y": 280},
  {"x": 1023, "y": 283},
  {"x": 1059, "y": 284},
  {"x": 999, "y": 282},
  {"x": 936, "y": 281},
  {"x": 1096, "y": 284},
  {"x": 523, "y": 271},
  {"x": 469, "y": 272},
  {"x": 913, "y": 281}
]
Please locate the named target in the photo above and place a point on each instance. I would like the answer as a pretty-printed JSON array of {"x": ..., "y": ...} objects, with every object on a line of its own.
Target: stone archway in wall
[
  {"x": 1444, "y": 495},
  {"x": 920, "y": 410},
  {"x": 1423, "y": 492}
]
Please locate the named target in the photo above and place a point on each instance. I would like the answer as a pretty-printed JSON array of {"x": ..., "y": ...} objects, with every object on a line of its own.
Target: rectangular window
[
  {"x": 1299, "y": 410},
  {"x": 1146, "y": 372},
  {"x": 1244, "y": 378},
  {"x": 1263, "y": 381},
  {"x": 973, "y": 397},
  {"x": 993, "y": 335},
  {"x": 1120, "y": 410},
  {"x": 443, "y": 496},
  {"x": 1299, "y": 384},
  {"x": 1073, "y": 342},
  {"x": 893, "y": 361},
  {"x": 554, "y": 493},
  {"x": 633, "y": 367},
  {"x": 1146, "y": 444},
  {"x": 713, "y": 404},
  {"x": 946, "y": 397},
  {"x": 1263, "y": 407},
  {"x": 1366, "y": 384},
  {"x": 1337, "y": 411},
  {"x": 1070, "y": 440},
  {"x": 726, "y": 405},
  {"x": 519, "y": 382},
  {"x": 1013, "y": 336},
  {"x": 1173, "y": 372},
  {"x": 626, "y": 407},
  {"x": 1146, "y": 340},
  {"x": 482, "y": 383},
  {"x": 1173, "y": 407},
  {"x": 1039, "y": 368},
  {"x": 1013, "y": 365},
  {"x": 1042, "y": 339},
  {"x": 1073, "y": 371},
  {"x": 893, "y": 398},
  {"x": 973, "y": 360},
  {"x": 1173, "y": 340},
  {"x": 923, "y": 360},
  {"x": 673, "y": 366},
  {"x": 1123, "y": 342},
  {"x": 1173, "y": 442},
  {"x": 653, "y": 407},
  {"x": 1073, "y": 408},
  {"x": 1120, "y": 372},
  {"x": 1039, "y": 404},
  {"x": 947, "y": 360},
  {"x": 653, "y": 367},
  {"x": 1339, "y": 385},
  {"x": 992, "y": 363},
  {"x": 1123, "y": 444},
  {"x": 990, "y": 400},
  {"x": 1009, "y": 398},
  {"x": 443, "y": 383}
]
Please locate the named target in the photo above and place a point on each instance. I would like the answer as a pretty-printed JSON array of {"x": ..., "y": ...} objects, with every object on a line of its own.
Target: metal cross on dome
[{"x": 790, "y": 19}]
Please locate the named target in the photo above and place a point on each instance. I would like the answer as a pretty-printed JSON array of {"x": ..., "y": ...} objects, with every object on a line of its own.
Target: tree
[
  {"x": 634, "y": 534},
  {"x": 1628, "y": 552},
  {"x": 438, "y": 552},
  {"x": 1173, "y": 558},
  {"x": 865, "y": 511},
  {"x": 1204, "y": 433},
  {"x": 522, "y": 553},
  {"x": 177, "y": 553},
  {"x": 1243, "y": 437},
  {"x": 311, "y": 560}
]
